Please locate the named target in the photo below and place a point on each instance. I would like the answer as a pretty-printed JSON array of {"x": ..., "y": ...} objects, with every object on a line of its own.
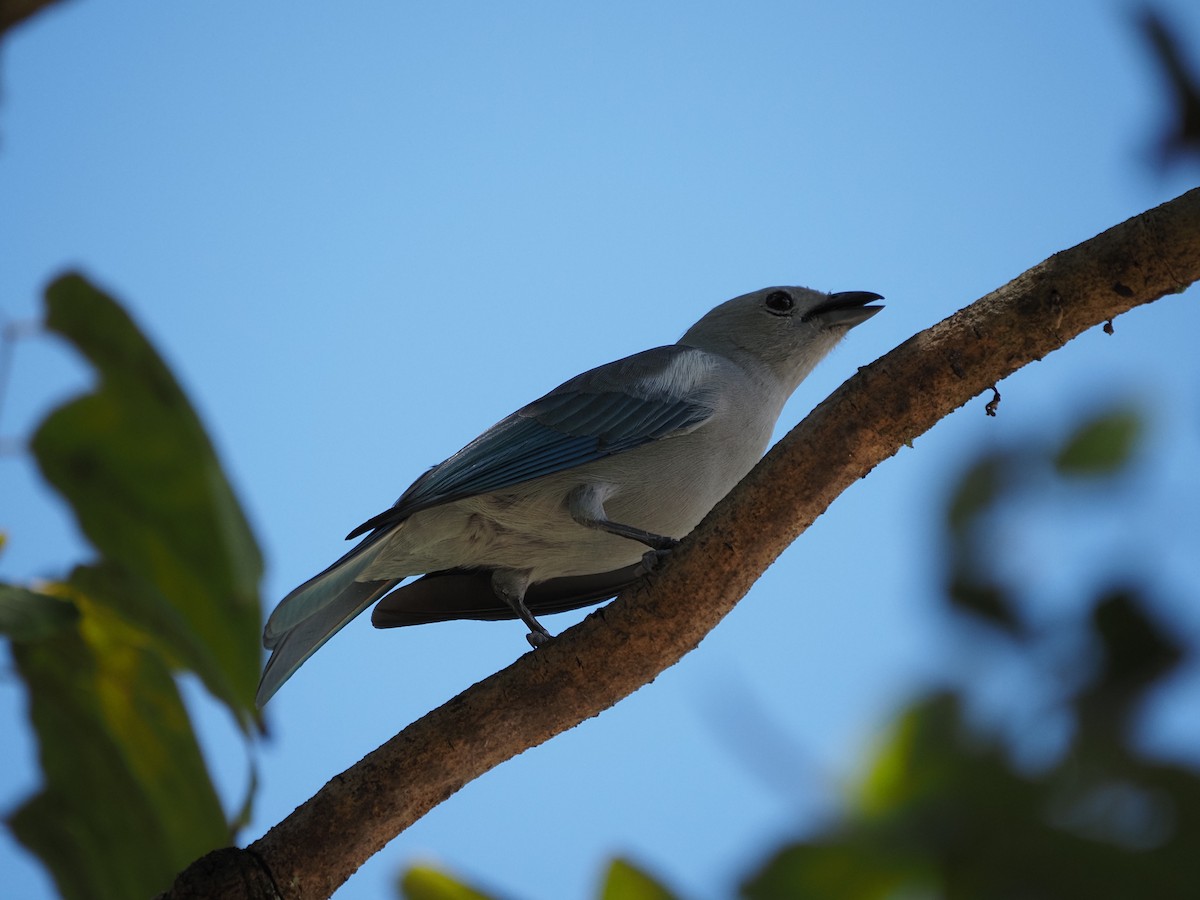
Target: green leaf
[
  {"x": 428, "y": 883},
  {"x": 137, "y": 468},
  {"x": 27, "y": 615},
  {"x": 970, "y": 592},
  {"x": 850, "y": 871},
  {"x": 1102, "y": 445},
  {"x": 127, "y": 800},
  {"x": 945, "y": 813},
  {"x": 977, "y": 490},
  {"x": 625, "y": 881},
  {"x": 140, "y": 602},
  {"x": 1137, "y": 654}
]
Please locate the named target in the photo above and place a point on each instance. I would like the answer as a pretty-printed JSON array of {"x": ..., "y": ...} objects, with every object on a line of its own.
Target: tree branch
[
  {"x": 14, "y": 11},
  {"x": 626, "y": 644}
]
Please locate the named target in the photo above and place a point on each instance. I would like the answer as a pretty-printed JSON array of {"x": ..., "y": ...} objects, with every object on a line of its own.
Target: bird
[{"x": 580, "y": 493}]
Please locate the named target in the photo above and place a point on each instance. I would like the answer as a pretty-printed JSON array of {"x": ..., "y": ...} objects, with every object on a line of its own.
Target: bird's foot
[{"x": 652, "y": 559}]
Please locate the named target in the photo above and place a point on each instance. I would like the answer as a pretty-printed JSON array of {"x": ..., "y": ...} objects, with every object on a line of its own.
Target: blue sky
[{"x": 361, "y": 234}]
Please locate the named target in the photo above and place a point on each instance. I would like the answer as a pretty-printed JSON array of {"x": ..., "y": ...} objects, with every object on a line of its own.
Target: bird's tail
[{"x": 314, "y": 612}]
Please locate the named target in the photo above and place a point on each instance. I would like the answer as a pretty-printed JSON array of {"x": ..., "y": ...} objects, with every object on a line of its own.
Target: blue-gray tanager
[{"x": 553, "y": 507}]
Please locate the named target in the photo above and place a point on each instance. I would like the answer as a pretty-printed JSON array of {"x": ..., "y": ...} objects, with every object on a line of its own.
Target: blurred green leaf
[
  {"x": 977, "y": 490},
  {"x": 127, "y": 800},
  {"x": 969, "y": 592},
  {"x": 428, "y": 883},
  {"x": 945, "y": 814},
  {"x": 145, "y": 484},
  {"x": 1182, "y": 138},
  {"x": 905, "y": 766},
  {"x": 139, "y": 601},
  {"x": 837, "y": 872},
  {"x": 27, "y": 615},
  {"x": 1137, "y": 651},
  {"x": 625, "y": 881},
  {"x": 1102, "y": 445},
  {"x": 1136, "y": 654}
]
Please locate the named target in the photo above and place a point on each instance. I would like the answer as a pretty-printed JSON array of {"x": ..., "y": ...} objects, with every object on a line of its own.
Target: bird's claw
[{"x": 652, "y": 559}]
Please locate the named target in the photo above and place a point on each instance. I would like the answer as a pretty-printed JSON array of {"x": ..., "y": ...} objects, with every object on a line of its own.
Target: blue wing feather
[{"x": 607, "y": 410}]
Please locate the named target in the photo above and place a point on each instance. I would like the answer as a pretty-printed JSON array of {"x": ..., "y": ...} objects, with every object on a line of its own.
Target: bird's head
[{"x": 786, "y": 329}]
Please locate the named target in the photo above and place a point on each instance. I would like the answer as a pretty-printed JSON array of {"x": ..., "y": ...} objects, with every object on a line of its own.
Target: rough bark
[{"x": 626, "y": 644}]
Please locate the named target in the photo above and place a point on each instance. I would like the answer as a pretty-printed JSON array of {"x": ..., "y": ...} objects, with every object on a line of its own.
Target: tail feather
[
  {"x": 318, "y": 592},
  {"x": 290, "y": 649},
  {"x": 314, "y": 612},
  {"x": 468, "y": 594}
]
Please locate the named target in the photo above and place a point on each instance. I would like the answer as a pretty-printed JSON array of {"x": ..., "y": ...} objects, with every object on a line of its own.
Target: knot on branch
[{"x": 228, "y": 872}]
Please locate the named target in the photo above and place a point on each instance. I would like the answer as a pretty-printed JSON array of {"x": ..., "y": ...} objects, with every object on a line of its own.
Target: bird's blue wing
[{"x": 611, "y": 409}]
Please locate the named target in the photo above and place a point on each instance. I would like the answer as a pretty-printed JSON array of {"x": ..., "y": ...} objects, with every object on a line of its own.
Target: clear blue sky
[{"x": 362, "y": 233}]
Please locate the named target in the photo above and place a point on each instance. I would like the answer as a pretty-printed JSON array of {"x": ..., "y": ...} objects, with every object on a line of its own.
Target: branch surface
[{"x": 626, "y": 644}]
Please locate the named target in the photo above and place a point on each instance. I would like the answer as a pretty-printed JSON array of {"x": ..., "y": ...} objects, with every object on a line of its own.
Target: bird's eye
[{"x": 779, "y": 302}]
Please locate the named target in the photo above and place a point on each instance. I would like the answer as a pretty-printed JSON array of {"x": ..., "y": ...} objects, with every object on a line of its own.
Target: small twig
[{"x": 992, "y": 404}]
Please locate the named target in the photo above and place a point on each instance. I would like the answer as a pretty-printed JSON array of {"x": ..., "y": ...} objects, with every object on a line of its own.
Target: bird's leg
[
  {"x": 510, "y": 586},
  {"x": 586, "y": 506}
]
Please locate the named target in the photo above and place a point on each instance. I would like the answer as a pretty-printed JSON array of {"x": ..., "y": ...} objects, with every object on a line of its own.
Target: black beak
[{"x": 845, "y": 308}]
